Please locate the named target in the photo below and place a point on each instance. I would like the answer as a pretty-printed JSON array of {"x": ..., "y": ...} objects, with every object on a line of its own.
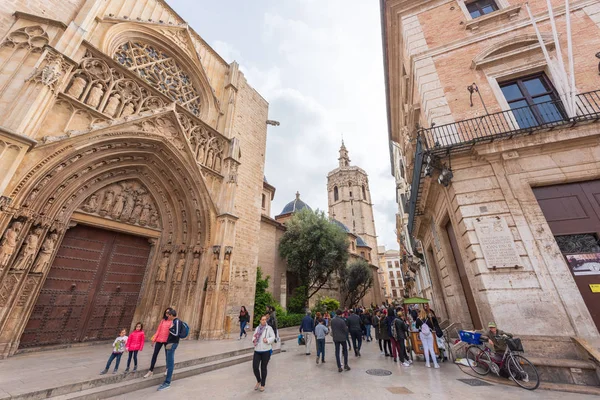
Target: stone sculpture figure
[
  {"x": 9, "y": 243},
  {"x": 178, "y": 275},
  {"x": 127, "y": 110},
  {"x": 77, "y": 87},
  {"x": 112, "y": 104},
  {"x": 137, "y": 210},
  {"x": 154, "y": 219},
  {"x": 163, "y": 266},
  {"x": 193, "y": 276},
  {"x": 118, "y": 207},
  {"x": 45, "y": 253},
  {"x": 95, "y": 96},
  {"x": 92, "y": 204},
  {"x": 28, "y": 250},
  {"x": 145, "y": 216},
  {"x": 107, "y": 204},
  {"x": 129, "y": 205}
]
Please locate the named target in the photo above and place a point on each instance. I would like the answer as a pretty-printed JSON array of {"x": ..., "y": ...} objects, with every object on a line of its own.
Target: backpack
[
  {"x": 394, "y": 331},
  {"x": 425, "y": 329},
  {"x": 184, "y": 330}
]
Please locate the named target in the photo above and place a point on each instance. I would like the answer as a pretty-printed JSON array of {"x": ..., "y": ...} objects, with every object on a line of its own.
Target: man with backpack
[
  {"x": 400, "y": 333},
  {"x": 178, "y": 330}
]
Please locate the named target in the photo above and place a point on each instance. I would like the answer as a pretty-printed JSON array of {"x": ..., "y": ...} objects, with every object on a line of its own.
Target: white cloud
[{"x": 319, "y": 65}]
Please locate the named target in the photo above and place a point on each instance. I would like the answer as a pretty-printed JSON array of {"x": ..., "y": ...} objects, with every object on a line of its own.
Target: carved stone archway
[{"x": 141, "y": 176}]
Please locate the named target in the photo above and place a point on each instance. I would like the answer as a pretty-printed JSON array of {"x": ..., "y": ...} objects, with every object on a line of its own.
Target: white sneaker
[
  {"x": 410, "y": 361},
  {"x": 382, "y": 353},
  {"x": 427, "y": 366},
  {"x": 406, "y": 364},
  {"x": 436, "y": 366},
  {"x": 148, "y": 374}
]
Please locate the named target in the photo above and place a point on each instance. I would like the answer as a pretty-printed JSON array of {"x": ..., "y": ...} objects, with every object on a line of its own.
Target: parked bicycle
[{"x": 482, "y": 360}]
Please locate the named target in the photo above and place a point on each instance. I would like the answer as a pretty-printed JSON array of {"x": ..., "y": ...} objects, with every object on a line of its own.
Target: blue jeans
[
  {"x": 321, "y": 348},
  {"x": 368, "y": 335},
  {"x": 111, "y": 358},
  {"x": 242, "y": 328},
  {"x": 170, "y": 362}
]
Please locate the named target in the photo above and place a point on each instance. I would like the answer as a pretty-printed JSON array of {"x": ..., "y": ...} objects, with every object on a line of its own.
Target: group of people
[
  {"x": 167, "y": 335},
  {"x": 392, "y": 327}
]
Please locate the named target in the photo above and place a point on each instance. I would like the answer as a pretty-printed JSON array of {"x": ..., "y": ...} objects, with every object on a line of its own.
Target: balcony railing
[{"x": 461, "y": 135}]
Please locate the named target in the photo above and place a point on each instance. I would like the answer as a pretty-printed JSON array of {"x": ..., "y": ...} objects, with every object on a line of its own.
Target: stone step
[
  {"x": 566, "y": 371},
  {"x": 210, "y": 363},
  {"x": 131, "y": 385}
]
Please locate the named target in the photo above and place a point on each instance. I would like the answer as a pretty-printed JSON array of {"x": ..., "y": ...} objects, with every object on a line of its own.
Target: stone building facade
[
  {"x": 132, "y": 161},
  {"x": 495, "y": 140}
]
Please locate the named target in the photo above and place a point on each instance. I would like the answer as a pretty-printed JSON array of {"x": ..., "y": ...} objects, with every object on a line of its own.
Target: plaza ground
[{"x": 293, "y": 375}]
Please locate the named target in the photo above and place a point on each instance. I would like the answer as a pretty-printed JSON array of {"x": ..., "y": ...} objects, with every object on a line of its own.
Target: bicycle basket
[
  {"x": 470, "y": 337},
  {"x": 514, "y": 344}
]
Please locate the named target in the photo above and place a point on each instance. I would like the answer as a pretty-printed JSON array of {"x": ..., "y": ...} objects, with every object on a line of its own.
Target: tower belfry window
[
  {"x": 364, "y": 192},
  {"x": 336, "y": 195}
]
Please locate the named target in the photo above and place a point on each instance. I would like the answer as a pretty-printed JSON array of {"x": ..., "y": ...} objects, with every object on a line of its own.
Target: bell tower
[{"x": 349, "y": 201}]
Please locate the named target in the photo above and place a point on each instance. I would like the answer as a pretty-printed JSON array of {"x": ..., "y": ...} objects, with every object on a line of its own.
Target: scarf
[{"x": 258, "y": 334}]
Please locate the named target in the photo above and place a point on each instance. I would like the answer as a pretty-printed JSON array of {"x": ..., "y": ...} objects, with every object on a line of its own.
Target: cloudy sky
[{"x": 319, "y": 65}]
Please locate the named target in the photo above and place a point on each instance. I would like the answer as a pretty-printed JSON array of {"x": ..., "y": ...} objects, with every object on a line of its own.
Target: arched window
[
  {"x": 264, "y": 201},
  {"x": 161, "y": 71},
  {"x": 364, "y": 192},
  {"x": 335, "y": 194}
]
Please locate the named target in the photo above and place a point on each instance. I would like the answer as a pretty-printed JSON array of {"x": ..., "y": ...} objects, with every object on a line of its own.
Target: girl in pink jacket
[
  {"x": 159, "y": 339},
  {"x": 135, "y": 343}
]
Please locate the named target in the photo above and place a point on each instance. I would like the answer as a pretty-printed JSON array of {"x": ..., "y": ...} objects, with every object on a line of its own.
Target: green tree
[
  {"x": 262, "y": 298},
  {"x": 315, "y": 249},
  {"x": 355, "y": 280},
  {"x": 326, "y": 304}
]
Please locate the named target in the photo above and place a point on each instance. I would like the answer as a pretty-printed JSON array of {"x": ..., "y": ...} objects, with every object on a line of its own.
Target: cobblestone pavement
[{"x": 294, "y": 375}]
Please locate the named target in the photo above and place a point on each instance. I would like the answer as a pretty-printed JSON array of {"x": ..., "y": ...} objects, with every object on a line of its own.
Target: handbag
[
  {"x": 301, "y": 340},
  {"x": 438, "y": 331}
]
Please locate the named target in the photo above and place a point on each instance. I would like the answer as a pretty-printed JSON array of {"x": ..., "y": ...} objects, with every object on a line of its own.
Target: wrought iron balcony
[{"x": 459, "y": 136}]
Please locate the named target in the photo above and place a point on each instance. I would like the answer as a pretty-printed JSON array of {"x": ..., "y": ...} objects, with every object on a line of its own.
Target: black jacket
[
  {"x": 339, "y": 329},
  {"x": 174, "y": 331},
  {"x": 354, "y": 323},
  {"x": 367, "y": 319},
  {"x": 401, "y": 329}
]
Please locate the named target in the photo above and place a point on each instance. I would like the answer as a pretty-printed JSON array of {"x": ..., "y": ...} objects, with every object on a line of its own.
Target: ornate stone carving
[
  {"x": 55, "y": 68},
  {"x": 178, "y": 273},
  {"x": 30, "y": 284},
  {"x": 7, "y": 286},
  {"x": 163, "y": 267},
  {"x": 33, "y": 38},
  {"x": 43, "y": 260},
  {"x": 194, "y": 269},
  {"x": 9, "y": 243},
  {"x": 162, "y": 72},
  {"x": 28, "y": 250},
  {"x": 127, "y": 201}
]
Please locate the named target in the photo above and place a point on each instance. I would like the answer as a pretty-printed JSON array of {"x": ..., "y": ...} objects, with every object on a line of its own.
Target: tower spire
[{"x": 344, "y": 158}]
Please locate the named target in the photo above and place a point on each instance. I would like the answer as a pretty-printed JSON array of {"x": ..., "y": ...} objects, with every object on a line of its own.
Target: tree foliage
[
  {"x": 355, "y": 280},
  {"x": 326, "y": 304},
  {"x": 314, "y": 248},
  {"x": 262, "y": 298},
  {"x": 297, "y": 302}
]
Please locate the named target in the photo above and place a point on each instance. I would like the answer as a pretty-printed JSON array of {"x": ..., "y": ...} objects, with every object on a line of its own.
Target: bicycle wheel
[
  {"x": 478, "y": 360},
  {"x": 523, "y": 372}
]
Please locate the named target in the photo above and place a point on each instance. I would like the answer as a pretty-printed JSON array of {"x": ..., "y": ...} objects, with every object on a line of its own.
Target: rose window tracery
[{"x": 161, "y": 71}]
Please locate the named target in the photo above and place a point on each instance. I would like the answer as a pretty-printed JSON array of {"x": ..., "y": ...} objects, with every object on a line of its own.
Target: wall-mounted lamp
[{"x": 433, "y": 163}]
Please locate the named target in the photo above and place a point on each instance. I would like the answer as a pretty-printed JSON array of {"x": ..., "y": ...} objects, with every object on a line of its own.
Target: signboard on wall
[{"x": 497, "y": 243}]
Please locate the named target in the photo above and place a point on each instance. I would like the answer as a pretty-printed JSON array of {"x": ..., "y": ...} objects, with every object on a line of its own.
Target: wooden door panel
[
  {"x": 583, "y": 217},
  {"x": 91, "y": 290}
]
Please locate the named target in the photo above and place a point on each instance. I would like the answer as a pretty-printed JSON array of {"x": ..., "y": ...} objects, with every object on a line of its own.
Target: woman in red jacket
[
  {"x": 159, "y": 339},
  {"x": 135, "y": 343}
]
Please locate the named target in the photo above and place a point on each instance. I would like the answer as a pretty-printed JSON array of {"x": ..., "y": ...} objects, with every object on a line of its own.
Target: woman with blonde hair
[{"x": 426, "y": 333}]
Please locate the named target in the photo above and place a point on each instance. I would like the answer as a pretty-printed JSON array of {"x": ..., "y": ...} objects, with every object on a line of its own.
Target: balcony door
[{"x": 533, "y": 101}]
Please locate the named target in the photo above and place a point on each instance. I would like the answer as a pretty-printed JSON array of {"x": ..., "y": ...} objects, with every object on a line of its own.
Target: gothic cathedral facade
[{"x": 123, "y": 187}]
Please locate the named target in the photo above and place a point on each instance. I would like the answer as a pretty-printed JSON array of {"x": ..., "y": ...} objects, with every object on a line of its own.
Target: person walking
[
  {"x": 135, "y": 343},
  {"x": 158, "y": 340},
  {"x": 339, "y": 331},
  {"x": 272, "y": 320},
  {"x": 355, "y": 328},
  {"x": 390, "y": 321},
  {"x": 244, "y": 320},
  {"x": 320, "y": 332},
  {"x": 171, "y": 346},
  {"x": 368, "y": 323},
  {"x": 306, "y": 329},
  {"x": 384, "y": 335},
  {"x": 376, "y": 319},
  {"x": 401, "y": 330},
  {"x": 118, "y": 349},
  {"x": 425, "y": 327},
  {"x": 263, "y": 340}
]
